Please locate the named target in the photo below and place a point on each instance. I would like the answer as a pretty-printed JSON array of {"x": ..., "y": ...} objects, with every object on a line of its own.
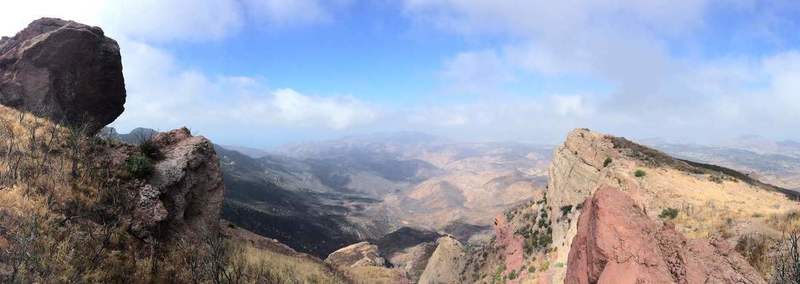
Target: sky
[{"x": 261, "y": 73}]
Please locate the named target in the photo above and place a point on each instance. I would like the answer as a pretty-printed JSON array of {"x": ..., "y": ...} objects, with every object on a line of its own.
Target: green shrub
[
  {"x": 715, "y": 178},
  {"x": 544, "y": 266},
  {"x": 151, "y": 150},
  {"x": 668, "y": 213},
  {"x": 566, "y": 209},
  {"x": 639, "y": 173},
  {"x": 512, "y": 275},
  {"x": 607, "y": 162},
  {"x": 139, "y": 166}
]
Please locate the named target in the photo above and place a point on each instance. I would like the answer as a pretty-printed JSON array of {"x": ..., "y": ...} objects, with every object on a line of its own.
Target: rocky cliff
[
  {"x": 701, "y": 200},
  {"x": 617, "y": 242},
  {"x": 63, "y": 70}
]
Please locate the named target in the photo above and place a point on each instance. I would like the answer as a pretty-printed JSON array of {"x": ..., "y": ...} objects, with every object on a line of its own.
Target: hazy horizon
[{"x": 272, "y": 72}]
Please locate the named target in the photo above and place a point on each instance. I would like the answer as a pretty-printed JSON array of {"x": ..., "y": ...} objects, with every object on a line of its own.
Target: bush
[
  {"x": 786, "y": 262},
  {"x": 544, "y": 266},
  {"x": 639, "y": 173},
  {"x": 607, "y": 162},
  {"x": 151, "y": 150},
  {"x": 755, "y": 248},
  {"x": 566, "y": 209},
  {"x": 139, "y": 166},
  {"x": 668, "y": 213},
  {"x": 512, "y": 275}
]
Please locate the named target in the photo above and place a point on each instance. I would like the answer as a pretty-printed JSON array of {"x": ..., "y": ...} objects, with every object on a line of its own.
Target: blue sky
[{"x": 265, "y": 72}]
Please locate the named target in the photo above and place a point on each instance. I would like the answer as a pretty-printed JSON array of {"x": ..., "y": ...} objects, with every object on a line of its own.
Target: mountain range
[{"x": 82, "y": 203}]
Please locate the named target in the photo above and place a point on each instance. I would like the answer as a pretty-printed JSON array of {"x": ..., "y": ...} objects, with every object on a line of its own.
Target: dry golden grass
[
  {"x": 707, "y": 207},
  {"x": 374, "y": 275},
  {"x": 290, "y": 269},
  {"x": 65, "y": 211}
]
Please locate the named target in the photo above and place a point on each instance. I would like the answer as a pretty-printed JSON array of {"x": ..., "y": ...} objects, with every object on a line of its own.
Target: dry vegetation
[
  {"x": 759, "y": 223},
  {"x": 65, "y": 217}
]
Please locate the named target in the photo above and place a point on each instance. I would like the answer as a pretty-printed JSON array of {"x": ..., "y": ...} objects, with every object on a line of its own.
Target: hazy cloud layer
[{"x": 638, "y": 49}]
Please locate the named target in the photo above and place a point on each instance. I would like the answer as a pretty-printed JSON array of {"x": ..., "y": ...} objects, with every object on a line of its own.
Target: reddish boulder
[
  {"x": 617, "y": 242},
  {"x": 66, "y": 71}
]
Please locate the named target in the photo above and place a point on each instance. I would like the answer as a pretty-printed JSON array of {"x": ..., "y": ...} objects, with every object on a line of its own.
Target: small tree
[
  {"x": 139, "y": 166},
  {"x": 639, "y": 173},
  {"x": 668, "y": 213}
]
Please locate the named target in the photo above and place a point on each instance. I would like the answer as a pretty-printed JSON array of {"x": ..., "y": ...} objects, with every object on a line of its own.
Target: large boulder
[
  {"x": 359, "y": 254},
  {"x": 66, "y": 71},
  {"x": 617, "y": 242}
]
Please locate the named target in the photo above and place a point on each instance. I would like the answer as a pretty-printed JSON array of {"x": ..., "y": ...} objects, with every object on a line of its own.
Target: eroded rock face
[
  {"x": 65, "y": 71},
  {"x": 446, "y": 262},
  {"x": 355, "y": 255},
  {"x": 617, "y": 242},
  {"x": 185, "y": 192},
  {"x": 413, "y": 260}
]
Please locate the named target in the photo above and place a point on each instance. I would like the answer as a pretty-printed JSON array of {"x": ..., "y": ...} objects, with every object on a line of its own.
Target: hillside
[
  {"x": 777, "y": 163},
  {"x": 76, "y": 207},
  {"x": 533, "y": 242}
]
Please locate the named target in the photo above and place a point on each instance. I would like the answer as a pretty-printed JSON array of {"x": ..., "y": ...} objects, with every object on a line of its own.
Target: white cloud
[
  {"x": 628, "y": 46},
  {"x": 290, "y": 107},
  {"x": 477, "y": 71},
  {"x": 16, "y": 15},
  {"x": 164, "y": 95},
  {"x": 157, "y": 20},
  {"x": 170, "y": 20},
  {"x": 288, "y": 12}
]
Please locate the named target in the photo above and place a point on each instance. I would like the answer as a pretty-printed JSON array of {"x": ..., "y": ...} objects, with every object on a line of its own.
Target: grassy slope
[{"x": 65, "y": 207}]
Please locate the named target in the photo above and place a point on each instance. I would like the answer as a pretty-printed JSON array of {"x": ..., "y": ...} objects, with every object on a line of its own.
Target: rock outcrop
[
  {"x": 618, "y": 243},
  {"x": 65, "y": 71},
  {"x": 413, "y": 260},
  {"x": 446, "y": 262},
  {"x": 362, "y": 263},
  {"x": 187, "y": 182},
  {"x": 355, "y": 255},
  {"x": 711, "y": 200},
  {"x": 408, "y": 249}
]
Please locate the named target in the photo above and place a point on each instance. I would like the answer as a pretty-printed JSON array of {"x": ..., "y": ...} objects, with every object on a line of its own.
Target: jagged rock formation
[
  {"x": 711, "y": 200},
  {"x": 65, "y": 71},
  {"x": 185, "y": 193},
  {"x": 618, "y": 243},
  {"x": 446, "y": 263}
]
